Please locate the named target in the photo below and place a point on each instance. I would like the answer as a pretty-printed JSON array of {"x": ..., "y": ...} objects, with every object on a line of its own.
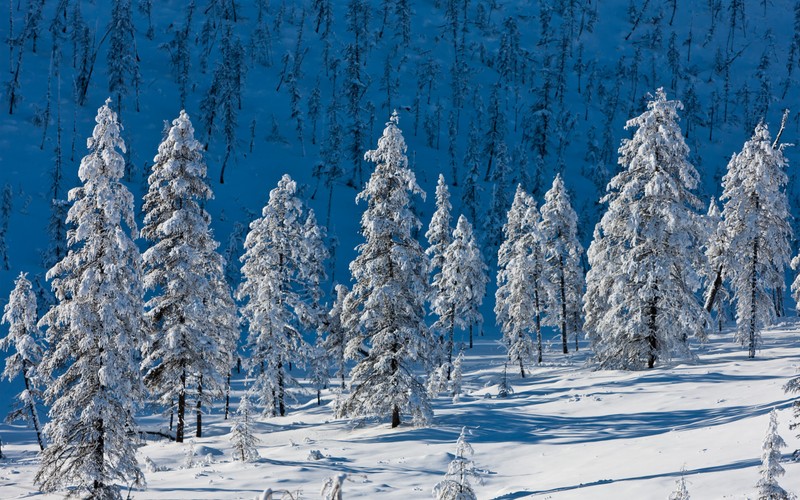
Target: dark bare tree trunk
[
  {"x": 199, "y": 431},
  {"x": 652, "y": 338},
  {"x": 31, "y": 407},
  {"x": 228, "y": 396},
  {"x": 99, "y": 454},
  {"x": 712, "y": 295},
  {"x": 395, "y": 365},
  {"x": 753, "y": 290},
  {"x": 181, "y": 410},
  {"x": 563, "y": 306},
  {"x": 470, "y": 336},
  {"x": 538, "y": 326},
  {"x": 281, "y": 390}
]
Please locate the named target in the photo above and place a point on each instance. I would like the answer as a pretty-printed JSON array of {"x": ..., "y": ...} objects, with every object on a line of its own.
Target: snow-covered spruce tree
[
  {"x": 757, "y": 227},
  {"x": 95, "y": 331},
  {"x": 335, "y": 341},
  {"x": 281, "y": 271},
  {"x": 716, "y": 295},
  {"x": 439, "y": 234},
  {"x": 563, "y": 281},
  {"x": 771, "y": 469},
  {"x": 681, "y": 491},
  {"x": 122, "y": 56},
  {"x": 457, "y": 377},
  {"x": 384, "y": 311},
  {"x": 192, "y": 319},
  {"x": 459, "y": 287},
  {"x": 498, "y": 208},
  {"x": 243, "y": 440},
  {"x": 23, "y": 336},
  {"x": 518, "y": 299},
  {"x": 456, "y": 483},
  {"x": 640, "y": 305}
]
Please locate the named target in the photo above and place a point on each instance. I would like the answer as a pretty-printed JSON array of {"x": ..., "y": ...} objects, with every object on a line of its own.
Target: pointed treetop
[
  {"x": 713, "y": 209},
  {"x": 105, "y": 137},
  {"x": 391, "y": 147}
]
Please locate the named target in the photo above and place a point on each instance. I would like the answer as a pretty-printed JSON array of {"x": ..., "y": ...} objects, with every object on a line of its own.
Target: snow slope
[{"x": 567, "y": 432}]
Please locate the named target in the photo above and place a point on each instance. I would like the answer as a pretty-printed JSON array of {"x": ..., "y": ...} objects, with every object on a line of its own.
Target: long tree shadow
[
  {"x": 509, "y": 425},
  {"x": 740, "y": 464}
]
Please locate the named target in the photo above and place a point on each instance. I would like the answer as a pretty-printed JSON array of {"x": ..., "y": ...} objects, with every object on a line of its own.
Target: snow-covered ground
[{"x": 567, "y": 432}]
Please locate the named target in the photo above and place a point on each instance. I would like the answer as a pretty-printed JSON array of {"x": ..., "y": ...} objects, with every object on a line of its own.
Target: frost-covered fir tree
[
  {"x": 95, "y": 331},
  {"x": 384, "y": 311},
  {"x": 192, "y": 319},
  {"x": 457, "y": 377},
  {"x": 439, "y": 232},
  {"x": 681, "y": 491},
  {"x": 771, "y": 469},
  {"x": 460, "y": 287},
  {"x": 243, "y": 441},
  {"x": 456, "y": 483},
  {"x": 518, "y": 301},
  {"x": 563, "y": 281},
  {"x": 757, "y": 227},
  {"x": 639, "y": 304},
  {"x": 122, "y": 57},
  {"x": 23, "y": 335},
  {"x": 716, "y": 295},
  {"x": 439, "y": 236},
  {"x": 281, "y": 272},
  {"x": 335, "y": 341}
]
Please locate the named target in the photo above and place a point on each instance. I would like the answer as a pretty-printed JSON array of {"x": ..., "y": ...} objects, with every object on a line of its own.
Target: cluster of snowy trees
[
  {"x": 652, "y": 248},
  {"x": 164, "y": 324}
]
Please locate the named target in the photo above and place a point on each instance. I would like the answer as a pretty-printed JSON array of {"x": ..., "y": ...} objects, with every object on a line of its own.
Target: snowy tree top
[{"x": 105, "y": 137}]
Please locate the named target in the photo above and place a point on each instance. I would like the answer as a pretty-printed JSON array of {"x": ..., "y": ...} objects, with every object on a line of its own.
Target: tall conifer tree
[
  {"x": 95, "y": 331},
  {"x": 384, "y": 310}
]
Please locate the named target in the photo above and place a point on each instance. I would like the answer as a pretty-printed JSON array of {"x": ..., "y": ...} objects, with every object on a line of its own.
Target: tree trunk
[
  {"x": 99, "y": 456},
  {"x": 538, "y": 325},
  {"x": 281, "y": 390},
  {"x": 450, "y": 341},
  {"x": 563, "y": 306},
  {"x": 652, "y": 338},
  {"x": 395, "y": 366},
  {"x": 470, "y": 335},
  {"x": 228, "y": 396},
  {"x": 199, "y": 431},
  {"x": 753, "y": 290},
  {"x": 31, "y": 406},
  {"x": 712, "y": 295},
  {"x": 181, "y": 410}
]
